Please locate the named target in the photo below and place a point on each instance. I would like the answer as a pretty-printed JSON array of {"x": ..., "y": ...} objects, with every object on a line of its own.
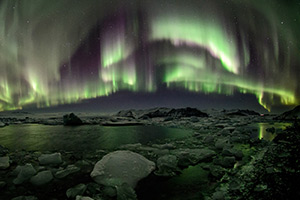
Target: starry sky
[{"x": 141, "y": 53}]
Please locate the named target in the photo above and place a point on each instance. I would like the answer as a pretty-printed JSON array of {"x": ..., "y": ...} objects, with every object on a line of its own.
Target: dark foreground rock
[{"x": 274, "y": 173}]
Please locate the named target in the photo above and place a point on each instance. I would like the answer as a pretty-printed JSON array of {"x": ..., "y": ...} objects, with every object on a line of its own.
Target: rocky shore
[{"x": 230, "y": 161}]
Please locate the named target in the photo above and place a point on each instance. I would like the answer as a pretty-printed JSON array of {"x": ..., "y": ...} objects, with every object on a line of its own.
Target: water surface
[
  {"x": 262, "y": 132},
  {"x": 79, "y": 138}
]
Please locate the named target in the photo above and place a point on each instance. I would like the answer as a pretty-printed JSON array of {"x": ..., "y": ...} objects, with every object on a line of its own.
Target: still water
[
  {"x": 79, "y": 138},
  {"x": 262, "y": 132}
]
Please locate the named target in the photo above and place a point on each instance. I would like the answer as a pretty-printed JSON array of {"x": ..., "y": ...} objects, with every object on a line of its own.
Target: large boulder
[
  {"x": 119, "y": 167},
  {"x": 71, "y": 120}
]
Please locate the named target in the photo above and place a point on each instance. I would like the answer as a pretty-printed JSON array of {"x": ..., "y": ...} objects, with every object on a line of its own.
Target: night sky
[{"x": 114, "y": 54}]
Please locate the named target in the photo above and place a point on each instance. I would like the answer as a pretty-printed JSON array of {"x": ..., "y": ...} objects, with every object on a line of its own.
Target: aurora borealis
[{"x": 61, "y": 52}]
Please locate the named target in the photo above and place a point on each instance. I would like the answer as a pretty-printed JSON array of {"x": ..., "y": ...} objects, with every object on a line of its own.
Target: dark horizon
[{"x": 126, "y": 100}]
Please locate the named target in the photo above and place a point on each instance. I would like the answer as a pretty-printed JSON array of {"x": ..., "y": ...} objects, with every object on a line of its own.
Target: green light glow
[
  {"x": 47, "y": 52},
  {"x": 196, "y": 32},
  {"x": 207, "y": 81}
]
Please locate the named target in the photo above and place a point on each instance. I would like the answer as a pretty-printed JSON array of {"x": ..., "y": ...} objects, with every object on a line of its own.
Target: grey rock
[
  {"x": 221, "y": 143},
  {"x": 119, "y": 167},
  {"x": 194, "y": 119},
  {"x": 2, "y": 124},
  {"x": 110, "y": 191},
  {"x": 235, "y": 185},
  {"x": 193, "y": 156},
  {"x": 42, "y": 178},
  {"x": 228, "y": 161},
  {"x": 230, "y": 129},
  {"x": 131, "y": 146},
  {"x": 270, "y": 170},
  {"x": 260, "y": 188},
  {"x": 70, "y": 169},
  {"x": 2, "y": 184},
  {"x": 25, "y": 173},
  {"x": 232, "y": 152},
  {"x": 25, "y": 198},
  {"x": 217, "y": 171},
  {"x": 77, "y": 190},
  {"x": 125, "y": 192},
  {"x": 209, "y": 139},
  {"x": 219, "y": 195},
  {"x": 221, "y": 125},
  {"x": 50, "y": 159},
  {"x": 3, "y": 151},
  {"x": 4, "y": 162},
  {"x": 78, "y": 197},
  {"x": 164, "y": 146},
  {"x": 167, "y": 165},
  {"x": 82, "y": 163}
]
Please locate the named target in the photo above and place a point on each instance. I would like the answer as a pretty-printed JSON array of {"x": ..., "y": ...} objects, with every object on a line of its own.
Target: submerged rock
[
  {"x": 50, "y": 159},
  {"x": 24, "y": 173},
  {"x": 120, "y": 167},
  {"x": 71, "y": 120},
  {"x": 4, "y": 162},
  {"x": 42, "y": 178}
]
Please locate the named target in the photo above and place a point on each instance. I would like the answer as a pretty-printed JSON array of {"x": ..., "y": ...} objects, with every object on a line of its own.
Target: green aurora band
[{"x": 207, "y": 47}]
